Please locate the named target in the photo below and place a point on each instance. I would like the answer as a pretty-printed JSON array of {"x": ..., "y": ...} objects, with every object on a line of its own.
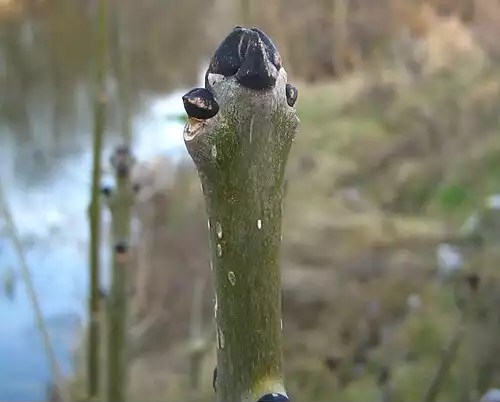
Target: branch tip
[{"x": 248, "y": 54}]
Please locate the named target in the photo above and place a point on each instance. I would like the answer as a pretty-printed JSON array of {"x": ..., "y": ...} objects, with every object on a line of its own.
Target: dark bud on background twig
[
  {"x": 106, "y": 190},
  {"x": 122, "y": 160},
  {"x": 273, "y": 398},
  {"x": 199, "y": 103},
  {"x": 291, "y": 94},
  {"x": 121, "y": 247},
  {"x": 250, "y": 55},
  {"x": 121, "y": 252},
  {"x": 466, "y": 288}
]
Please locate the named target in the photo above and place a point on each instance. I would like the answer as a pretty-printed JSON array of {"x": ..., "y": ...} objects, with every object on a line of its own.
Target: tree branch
[{"x": 239, "y": 133}]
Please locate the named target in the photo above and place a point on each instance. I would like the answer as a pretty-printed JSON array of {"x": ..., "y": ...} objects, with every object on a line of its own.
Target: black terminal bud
[
  {"x": 291, "y": 94},
  {"x": 250, "y": 55},
  {"x": 274, "y": 397},
  {"x": 199, "y": 103}
]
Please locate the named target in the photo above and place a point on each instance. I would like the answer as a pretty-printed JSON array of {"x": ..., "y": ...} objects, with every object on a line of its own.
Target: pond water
[{"x": 50, "y": 215}]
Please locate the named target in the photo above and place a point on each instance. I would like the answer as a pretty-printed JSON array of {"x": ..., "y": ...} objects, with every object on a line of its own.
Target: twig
[{"x": 120, "y": 203}]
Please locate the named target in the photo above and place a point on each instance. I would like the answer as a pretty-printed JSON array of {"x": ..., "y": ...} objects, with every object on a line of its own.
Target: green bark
[
  {"x": 100, "y": 101},
  {"x": 123, "y": 74},
  {"x": 120, "y": 205},
  {"x": 240, "y": 155}
]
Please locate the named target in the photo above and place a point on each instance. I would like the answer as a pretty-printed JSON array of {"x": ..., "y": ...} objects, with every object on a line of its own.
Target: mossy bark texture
[{"x": 241, "y": 154}]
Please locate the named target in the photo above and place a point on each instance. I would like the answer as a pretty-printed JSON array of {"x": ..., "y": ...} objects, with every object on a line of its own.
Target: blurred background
[{"x": 390, "y": 260}]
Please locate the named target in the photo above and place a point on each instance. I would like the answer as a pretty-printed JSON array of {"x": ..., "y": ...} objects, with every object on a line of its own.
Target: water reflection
[{"x": 47, "y": 188}]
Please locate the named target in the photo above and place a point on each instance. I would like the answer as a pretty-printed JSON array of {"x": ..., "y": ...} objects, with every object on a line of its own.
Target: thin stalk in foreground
[
  {"x": 100, "y": 101},
  {"x": 120, "y": 204},
  {"x": 26, "y": 276},
  {"x": 444, "y": 368},
  {"x": 239, "y": 133}
]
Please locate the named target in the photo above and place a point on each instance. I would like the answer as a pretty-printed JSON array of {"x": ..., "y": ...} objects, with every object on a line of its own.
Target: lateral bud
[
  {"x": 200, "y": 104},
  {"x": 291, "y": 94},
  {"x": 106, "y": 190},
  {"x": 122, "y": 161}
]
